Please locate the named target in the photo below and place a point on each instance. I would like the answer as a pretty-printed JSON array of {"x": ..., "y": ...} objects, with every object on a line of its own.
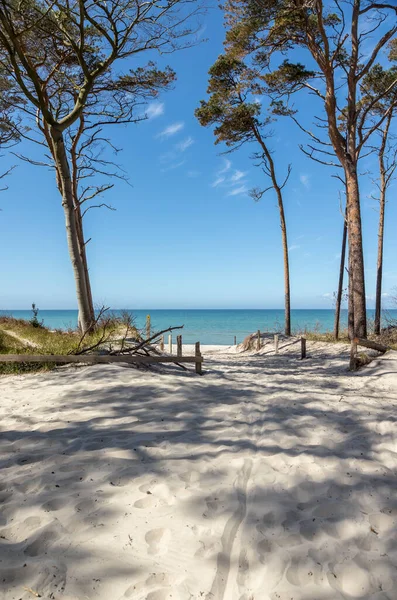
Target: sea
[{"x": 217, "y": 326}]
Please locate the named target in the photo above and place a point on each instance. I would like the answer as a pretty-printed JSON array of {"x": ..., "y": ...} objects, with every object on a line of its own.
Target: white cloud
[
  {"x": 293, "y": 247},
  {"x": 193, "y": 173},
  {"x": 173, "y": 166},
  {"x": 237, "y": 191},
  {"x": 171, "y": 130},
  {"x": 233, "y": 180},
  {"x": 218, "y": 181},
  {"x": 185, "y": 144},
  {"x": 155, "y": 109},
  {"x": 305, "y": 180},
  {"x": 226, "y": 167},
  {"x": 327, "y": 295},
  {"x": 237, "y": 176}
]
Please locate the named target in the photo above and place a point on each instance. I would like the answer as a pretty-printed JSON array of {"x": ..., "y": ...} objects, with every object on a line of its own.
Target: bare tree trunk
[
  {"x": 63, "y": 170},
  {"x": 83, "y": 254},
  {"x": 287, "y": 291},
  {"x": 384, "y": 180},
  {"x": 283, "y": 225},
  {"x": 379, "y": 266},
  {"x": 340, "y": 284},
  {"x": 356, "y": 255}
]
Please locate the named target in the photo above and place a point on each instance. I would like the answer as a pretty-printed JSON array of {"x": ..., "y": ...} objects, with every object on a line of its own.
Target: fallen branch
[
  {"x": 134, "y": 349},
  {"x": 372, "y": 345}
]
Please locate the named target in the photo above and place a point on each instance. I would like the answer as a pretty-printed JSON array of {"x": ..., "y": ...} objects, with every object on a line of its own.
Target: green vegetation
[
  {"x": 11, "y": 345},
  {"x": 18, "y": 336}
]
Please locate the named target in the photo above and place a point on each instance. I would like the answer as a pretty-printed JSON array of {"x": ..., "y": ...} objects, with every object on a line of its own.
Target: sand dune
[{"x": 269, "y": 478}]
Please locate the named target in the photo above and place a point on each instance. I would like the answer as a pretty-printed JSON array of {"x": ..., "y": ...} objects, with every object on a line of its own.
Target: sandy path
[
  {"x": 21, "y": 339},
  {"x": 269, "y": 478}
]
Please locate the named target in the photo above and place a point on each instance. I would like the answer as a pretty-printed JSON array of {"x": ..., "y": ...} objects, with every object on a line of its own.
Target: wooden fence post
[
  {"x": 162, "y": 343},
  {"x": 303, "y": 348},
  {"x": 179, "y": 346},
  {"x": 353, "y": 355},
  {"x": 235, "y": 341},
  {"x": 276, "y": 343},
  {"x": 170, "y": 343},
  {"x": 198, "y": 355},
  {"x": 258, "y": 342}
]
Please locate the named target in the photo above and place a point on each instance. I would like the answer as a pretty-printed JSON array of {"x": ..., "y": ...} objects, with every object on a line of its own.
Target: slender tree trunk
[
  {"x": 278, "y": 189},
  {"x": 350, "y": 312},
  {"x": 63, "y": 170},
  {"x": 287, "y": 291},
  {"x": 356, "y": 255},
  {"x": 83, "y": 254},
  {"x": 340, "y": 284},
  {"x": 381, "y": 227},
  {"x": 379, "y": 266}
]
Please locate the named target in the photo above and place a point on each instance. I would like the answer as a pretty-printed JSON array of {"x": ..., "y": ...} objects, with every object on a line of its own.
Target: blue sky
[{"x": 185, "y": 233}]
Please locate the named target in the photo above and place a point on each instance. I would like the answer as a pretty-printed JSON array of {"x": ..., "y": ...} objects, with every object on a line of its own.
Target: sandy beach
[{"x": 269, "y": 478}]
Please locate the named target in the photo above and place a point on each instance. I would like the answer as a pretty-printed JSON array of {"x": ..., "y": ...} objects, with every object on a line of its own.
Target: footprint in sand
[
  {"x": 303, "y": 571},
  {"x": 157, "y": 540},
  {"x": 166, "y": 587},
  {"x": 213, "y": 506},
  {"x": 157, "y": 494},
  {"x": 146, "y": 502},
  {"x": 45, "y": 538},
  {"x": 54, "y": 504}
]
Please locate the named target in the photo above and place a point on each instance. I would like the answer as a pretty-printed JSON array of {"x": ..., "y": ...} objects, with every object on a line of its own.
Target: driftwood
[
  {"x": 372, "y": 345},
  {"x": 133, "y": 349},
  {"x": 354, "y": 360}
]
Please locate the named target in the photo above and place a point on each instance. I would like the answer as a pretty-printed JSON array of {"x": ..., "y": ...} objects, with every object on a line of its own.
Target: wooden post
[
  {"x": 353, "y": 355},
  {"x": 199, "y": 370},
  {"x": 276, "y": 343},
  {"x": 235, "y": 341},
  {"x": 148, "y": 328},
  {"x": 258, "y": 342},
  {"x": 162, "y": 343},
  {"x": 303, "y": 348},
  {"x": 179, "y": 346},
  {"x": 170, "y": 343}
]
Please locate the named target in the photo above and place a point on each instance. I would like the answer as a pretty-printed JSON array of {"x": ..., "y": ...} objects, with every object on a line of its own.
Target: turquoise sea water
[{"x": 208, "y": 326}]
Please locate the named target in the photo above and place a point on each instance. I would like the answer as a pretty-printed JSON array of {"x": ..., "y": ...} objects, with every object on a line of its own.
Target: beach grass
[{"x": 18, "y": 336}]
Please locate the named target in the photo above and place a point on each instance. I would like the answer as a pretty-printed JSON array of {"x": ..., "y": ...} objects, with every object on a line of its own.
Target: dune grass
[{"x": 18, "y": 336}]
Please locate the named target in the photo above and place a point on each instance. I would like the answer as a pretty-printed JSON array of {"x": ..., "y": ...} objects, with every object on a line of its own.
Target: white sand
[{"x": 267, "y": 478}]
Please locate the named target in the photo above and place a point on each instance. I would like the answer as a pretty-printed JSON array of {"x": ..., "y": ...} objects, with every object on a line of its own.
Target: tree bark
[
  {"x": 287, "y": 291},
  {"x": 283, "y": 225},
  {"x": 83, "y": 254},
  {"x": 384, "y": 180},
  {"x": 379, "y": 266},
  {"x": 356, "y": 255},
  {"x": 340, "y": 284},
  {"x": 72, "y": 235},
  {"x": 350, "y": 312}
]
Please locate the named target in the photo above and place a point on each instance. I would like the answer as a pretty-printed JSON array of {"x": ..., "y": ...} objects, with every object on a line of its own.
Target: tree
[
  {"x": 62, "y": 56},
  {"x": 385, "y": 146},
  {"x": 335, "y": 36},
  {"x": 339, "y": 294},
  {"x": 9, "y": 122},
  {"x": 238, "y": 120}
]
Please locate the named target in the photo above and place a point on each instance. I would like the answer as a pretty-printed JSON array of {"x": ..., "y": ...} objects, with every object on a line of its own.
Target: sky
[{"x": 185, "y": 232}]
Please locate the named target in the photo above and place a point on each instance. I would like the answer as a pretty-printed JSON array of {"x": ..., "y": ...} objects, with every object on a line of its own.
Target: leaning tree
[
  {"x": 338, "y": 44},
  {"x": 239, "y": 118},
  {"x": 67, "y": 58}
]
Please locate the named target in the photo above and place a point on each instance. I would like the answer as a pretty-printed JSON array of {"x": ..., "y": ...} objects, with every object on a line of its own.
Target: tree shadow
[{"x": 278, "y": 473}]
